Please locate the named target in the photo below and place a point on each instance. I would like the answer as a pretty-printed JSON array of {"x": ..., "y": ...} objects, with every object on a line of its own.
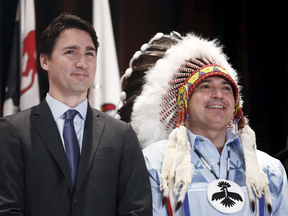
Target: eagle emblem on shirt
[{"x": 227, "y": 196}]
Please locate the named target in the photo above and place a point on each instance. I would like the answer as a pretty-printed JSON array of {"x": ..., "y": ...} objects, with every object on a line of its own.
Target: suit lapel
[
  {"x": 92, "y": 135},
  {"x": 46, "y": 127}
]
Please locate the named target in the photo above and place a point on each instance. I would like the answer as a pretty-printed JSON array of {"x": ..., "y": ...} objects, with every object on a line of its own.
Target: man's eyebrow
[
  {"x": 206, "y": 81},
  {"x": 227, "y": 82},
  {"x": 77, "y": 47},
  {"x": 71, "y": 47},
  {"x": 91, "y": 48}
]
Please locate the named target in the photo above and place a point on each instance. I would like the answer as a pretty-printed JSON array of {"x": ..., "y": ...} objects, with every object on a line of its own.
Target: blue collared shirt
[
  {"x": 201, "y": 176},
  {"x": 58, "y": 109}
]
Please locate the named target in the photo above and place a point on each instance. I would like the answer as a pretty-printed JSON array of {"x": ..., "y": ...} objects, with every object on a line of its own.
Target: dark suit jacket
[{"x": 34, "y": 175}]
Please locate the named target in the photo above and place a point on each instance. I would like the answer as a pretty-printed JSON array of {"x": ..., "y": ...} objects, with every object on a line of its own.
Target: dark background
[{"x": 254, "y": 34}]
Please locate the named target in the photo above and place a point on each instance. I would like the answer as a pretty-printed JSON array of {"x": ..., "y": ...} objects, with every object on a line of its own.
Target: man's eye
[
  {"x": 90, "y": 54},
  {"x": 69, "y": 52},
  {"x": 228, "y": 88},
  {"x": 204, "y": 86}
]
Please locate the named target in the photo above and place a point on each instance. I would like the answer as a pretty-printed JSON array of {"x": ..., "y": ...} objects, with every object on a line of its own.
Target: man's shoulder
[
  {"x": 19, "y": 121},
  {"x": 99, "y": 114},
  {"x": 269, "y": 164},
  {"x": 159, "y": 145},
  {"x": 154, "y": 153},
  {"x": 19, "y": 115},
  {"x": 263, "y": 157}
]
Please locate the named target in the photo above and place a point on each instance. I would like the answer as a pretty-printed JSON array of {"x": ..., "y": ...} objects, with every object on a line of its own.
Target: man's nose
[
  {"x": 82, "y": 62},
  {"x": 217, "y": 93}
]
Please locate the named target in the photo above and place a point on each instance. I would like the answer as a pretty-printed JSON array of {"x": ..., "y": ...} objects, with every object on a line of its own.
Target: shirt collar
[
  {"x": 230, "y": 138},
  {"x": 58, "y": 109}
]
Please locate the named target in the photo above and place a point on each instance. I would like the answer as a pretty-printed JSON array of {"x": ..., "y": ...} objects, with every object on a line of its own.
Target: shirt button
[
  {"x": 201, "y": 140},
  {"x": 75, "y": 201}
]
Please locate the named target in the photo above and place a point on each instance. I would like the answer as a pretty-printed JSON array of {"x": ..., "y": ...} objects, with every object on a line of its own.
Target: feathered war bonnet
[
  {"x": 142, "y": 60},
  {"x": 160, "y": 112}
]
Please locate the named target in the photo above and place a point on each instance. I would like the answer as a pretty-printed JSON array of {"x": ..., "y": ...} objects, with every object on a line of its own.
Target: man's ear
[{"x": 44, "y": 61}]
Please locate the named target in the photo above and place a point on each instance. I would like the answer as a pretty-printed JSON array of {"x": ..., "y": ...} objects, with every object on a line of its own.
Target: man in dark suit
[{"x": 106, "y": 174}]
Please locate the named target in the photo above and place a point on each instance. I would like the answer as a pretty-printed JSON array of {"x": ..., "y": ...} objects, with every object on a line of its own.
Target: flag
[
  {"x": 29, "y": 92},
  {"x": 104, "y": 94},
  {"x": 22, "y": 90}
]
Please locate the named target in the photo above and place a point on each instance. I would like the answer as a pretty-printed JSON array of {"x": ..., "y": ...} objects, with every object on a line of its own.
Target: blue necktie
[{"x": 71, "y": 143}]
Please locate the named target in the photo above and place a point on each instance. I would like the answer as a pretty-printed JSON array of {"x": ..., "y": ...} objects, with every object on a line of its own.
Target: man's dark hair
[{"x": 51, "y": 34}]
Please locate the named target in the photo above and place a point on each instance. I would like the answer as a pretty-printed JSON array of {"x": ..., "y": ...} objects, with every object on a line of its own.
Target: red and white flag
[
  {"x": 22, "y": 90},
  {"x": 29, "y": 94},
  {"x": 106, "y": 90}
]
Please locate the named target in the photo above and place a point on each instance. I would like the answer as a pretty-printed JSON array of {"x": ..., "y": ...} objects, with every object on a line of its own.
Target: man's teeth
[{"x": 216, "y": 106}]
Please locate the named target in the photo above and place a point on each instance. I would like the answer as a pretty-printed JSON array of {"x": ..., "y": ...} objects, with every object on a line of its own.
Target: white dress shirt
[{"x": 58, "y": 109}]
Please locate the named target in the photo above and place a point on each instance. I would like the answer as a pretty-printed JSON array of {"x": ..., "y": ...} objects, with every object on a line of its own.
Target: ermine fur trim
[
  {"x": 256, "y": 180},
  {"x": 177, "y": 165}
]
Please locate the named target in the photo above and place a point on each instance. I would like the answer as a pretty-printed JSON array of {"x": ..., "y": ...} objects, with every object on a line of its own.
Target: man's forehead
[
  {"x": 71, "y": 37},
  {"x": 215, "y": 78}
]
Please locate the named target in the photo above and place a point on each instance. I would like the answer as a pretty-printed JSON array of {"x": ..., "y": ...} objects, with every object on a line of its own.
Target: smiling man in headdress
[{"x": 199, "y": 150}]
